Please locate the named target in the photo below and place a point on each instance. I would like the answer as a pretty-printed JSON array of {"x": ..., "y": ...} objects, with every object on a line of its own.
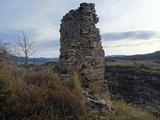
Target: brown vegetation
[
  {"x": 42, "y": 95},
  {"x": 38, "y": 95}
]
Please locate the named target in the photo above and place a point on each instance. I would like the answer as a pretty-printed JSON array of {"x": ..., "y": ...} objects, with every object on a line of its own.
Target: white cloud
[
  {"x": 41, "y": 19},
  {"x": 130, "y": 47},
  {"x": 46, "y": 32},
  {"x": 130, "y": 15}
]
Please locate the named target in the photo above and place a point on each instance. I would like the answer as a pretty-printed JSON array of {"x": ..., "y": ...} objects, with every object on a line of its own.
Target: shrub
[{"x": 40, "y": 95}]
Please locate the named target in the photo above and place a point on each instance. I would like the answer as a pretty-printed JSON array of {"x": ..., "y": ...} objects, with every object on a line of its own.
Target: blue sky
[{"x": 126, "y": 26}]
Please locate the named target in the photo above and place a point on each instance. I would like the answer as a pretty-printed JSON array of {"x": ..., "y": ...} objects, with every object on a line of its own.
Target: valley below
[{"x": 136, "y": 81}]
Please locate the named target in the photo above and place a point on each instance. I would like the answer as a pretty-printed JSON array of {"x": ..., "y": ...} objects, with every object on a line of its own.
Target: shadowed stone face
[{"x": 81, "y": 48}]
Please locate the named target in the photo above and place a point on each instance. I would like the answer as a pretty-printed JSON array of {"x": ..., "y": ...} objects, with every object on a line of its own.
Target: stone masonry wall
[{"x": 81, "y": 48}]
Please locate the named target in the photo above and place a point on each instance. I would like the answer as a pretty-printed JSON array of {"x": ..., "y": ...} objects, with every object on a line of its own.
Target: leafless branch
[{"x": 26, "y": 47}]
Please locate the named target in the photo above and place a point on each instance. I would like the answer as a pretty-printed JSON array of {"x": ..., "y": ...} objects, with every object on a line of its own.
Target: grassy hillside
[
  {"x": 39, "y": 94},
  {"x": 136, "y": 82}
]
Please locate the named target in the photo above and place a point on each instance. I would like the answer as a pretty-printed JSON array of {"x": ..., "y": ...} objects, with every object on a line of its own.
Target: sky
[{"x": 127, "y": 27}]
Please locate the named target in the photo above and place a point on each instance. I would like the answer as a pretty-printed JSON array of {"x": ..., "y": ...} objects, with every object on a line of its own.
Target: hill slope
[{"x": 139, "y": 56}]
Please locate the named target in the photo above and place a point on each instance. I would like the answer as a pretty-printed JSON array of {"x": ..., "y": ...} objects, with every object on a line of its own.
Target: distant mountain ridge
[
  {"x": 113, "y": 56},
  {"x": 39, "y": 60},
  {"x": 42, "y": 60},
  {"x": 138, "y": 56}
]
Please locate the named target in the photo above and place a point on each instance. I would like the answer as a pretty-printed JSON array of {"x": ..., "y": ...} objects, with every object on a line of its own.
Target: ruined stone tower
[{"x": 81, "y": 49}]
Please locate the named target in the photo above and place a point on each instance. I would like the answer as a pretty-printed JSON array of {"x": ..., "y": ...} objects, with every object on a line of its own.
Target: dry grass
[
  {"x": 123, "y": 111},
  {"x": 39, "y": 95},
  {"x": 94, "y": 88},
  {"x": 73, "y": 82}
]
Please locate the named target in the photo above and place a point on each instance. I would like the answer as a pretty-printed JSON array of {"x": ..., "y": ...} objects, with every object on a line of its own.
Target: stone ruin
[
  {"x": 81, "y": 49},
  {"x": 82, "y": 52}
]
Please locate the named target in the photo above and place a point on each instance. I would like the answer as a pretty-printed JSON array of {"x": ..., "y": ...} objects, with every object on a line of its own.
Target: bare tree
[{"x": 26, "y": 47}]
